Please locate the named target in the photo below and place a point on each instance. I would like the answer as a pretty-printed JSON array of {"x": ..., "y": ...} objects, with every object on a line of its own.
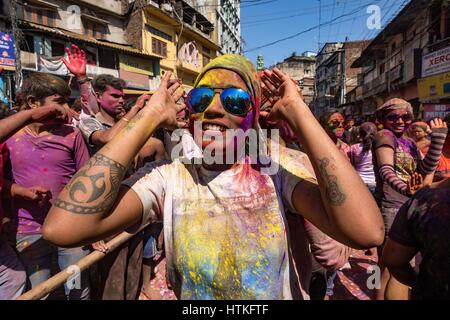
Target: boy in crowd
[
  {"x": 12, "y": 272},
  {"x": 45, "y": 154}
]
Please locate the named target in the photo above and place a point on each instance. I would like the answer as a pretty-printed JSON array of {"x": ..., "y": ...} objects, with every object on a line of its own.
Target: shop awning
[{"x": 76, "y": 36}]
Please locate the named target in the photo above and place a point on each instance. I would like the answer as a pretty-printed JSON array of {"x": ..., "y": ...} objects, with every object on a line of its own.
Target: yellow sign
[
  {"x": 136, "y": 65},
  {"x": 436, "y": 87}
]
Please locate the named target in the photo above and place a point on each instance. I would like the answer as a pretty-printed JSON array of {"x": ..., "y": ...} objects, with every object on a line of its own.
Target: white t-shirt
[{"x": 225, "y": 232}]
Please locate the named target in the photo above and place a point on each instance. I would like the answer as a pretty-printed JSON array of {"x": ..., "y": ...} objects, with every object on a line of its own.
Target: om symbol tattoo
[{"x": 333, "y": 190}]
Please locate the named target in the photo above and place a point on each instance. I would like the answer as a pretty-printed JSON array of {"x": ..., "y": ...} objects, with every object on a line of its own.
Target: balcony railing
[{"x": 375, "y": 86}]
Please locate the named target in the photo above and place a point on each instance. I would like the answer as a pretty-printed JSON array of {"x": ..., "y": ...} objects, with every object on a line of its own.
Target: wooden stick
[{"x": 59, "y": 279}]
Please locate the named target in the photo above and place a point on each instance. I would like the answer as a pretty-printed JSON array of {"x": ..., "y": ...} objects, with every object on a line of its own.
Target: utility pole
[
  {"x": 17, "y": 38},
  {"x": 343, "y": 77},
  {"x": 320, "y": 23}
]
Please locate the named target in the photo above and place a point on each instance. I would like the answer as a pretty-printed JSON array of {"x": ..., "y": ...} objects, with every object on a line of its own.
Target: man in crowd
[
  {"x": 422, "y": 225},
  {"x": 103, "y": 116}
]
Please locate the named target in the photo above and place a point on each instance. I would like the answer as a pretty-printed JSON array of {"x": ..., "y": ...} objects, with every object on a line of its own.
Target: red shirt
[{"x": 443, "y": 169}]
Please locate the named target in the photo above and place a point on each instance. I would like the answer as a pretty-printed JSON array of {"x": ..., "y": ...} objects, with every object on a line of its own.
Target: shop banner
[
  {"x": 7, "y": 55},
  {"x": 433, "y": 88},
  {"x": 436, "y": 62},
  {"x": 135, "y": 80},
  {"x": 432, "y": 111},
  {"x": 52, "y": 65},
  {"x": 136, "y": 65}
]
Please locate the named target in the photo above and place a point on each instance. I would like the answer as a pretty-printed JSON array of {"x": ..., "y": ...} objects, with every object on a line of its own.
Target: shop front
[
  {"x": 7, "y": 66},
  {"x": 141, "y": 75}
]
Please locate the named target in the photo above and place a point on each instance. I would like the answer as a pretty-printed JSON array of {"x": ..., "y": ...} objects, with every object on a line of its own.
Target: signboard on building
[
  {"x": 396, "y": 73},
  {"x": 436, "y": 87},
  {"x": 7, "y": 55},
  {"x": 432, "y": 111},
  {"x": 136, "y": 65},
  {"x": 93, "y": 71},
  {"x": 188, "y": 54},
  {"x": 135, "y": 80},
  {"x": 436, "y": 62},
  {"x": 29, "y": 60}
]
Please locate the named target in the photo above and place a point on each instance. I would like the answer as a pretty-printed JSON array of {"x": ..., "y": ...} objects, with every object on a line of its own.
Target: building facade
[
  {"x": 301, "y": 68},
  {"x": 228, "y": 25},
  {"x": 98, "y": 27},
  {"x": 177, "y": 33},
  {"x": 326, "y": 80},
  {"x": 335, "y": 77},
  {"x": 408, "y": 60}
]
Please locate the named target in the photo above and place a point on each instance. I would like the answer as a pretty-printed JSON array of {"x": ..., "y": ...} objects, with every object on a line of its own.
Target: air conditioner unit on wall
[{"x": 167, "y": 7}]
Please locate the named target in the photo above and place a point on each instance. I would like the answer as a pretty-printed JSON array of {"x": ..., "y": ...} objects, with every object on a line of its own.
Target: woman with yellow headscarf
[{"x": 223, "y": 214}]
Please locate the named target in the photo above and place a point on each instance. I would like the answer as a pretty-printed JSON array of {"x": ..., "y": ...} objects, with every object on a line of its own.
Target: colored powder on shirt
[
  {"x": 363, "y": 163},
  {"x": 226, "y": 230},
  {"x": 48, "y": 161}
]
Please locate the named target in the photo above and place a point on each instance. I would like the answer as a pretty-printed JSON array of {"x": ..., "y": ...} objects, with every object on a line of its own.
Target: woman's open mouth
[{"x": 214, "y": 127}]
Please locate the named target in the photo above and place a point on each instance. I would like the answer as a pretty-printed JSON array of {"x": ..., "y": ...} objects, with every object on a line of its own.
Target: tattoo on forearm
[
  {"x": 94, "y": 188},
  {"x": 333, "y": 190},
  {"x": 133, "y": 121}
]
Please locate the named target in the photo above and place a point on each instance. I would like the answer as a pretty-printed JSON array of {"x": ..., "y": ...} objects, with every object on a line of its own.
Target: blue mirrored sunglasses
[{"x": 235, "y": 101}]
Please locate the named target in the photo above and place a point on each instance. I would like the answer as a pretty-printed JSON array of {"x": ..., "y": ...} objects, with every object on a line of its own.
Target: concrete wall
[
  {"x": 71, "y": 20},
  {"x": 115, "y": 6}
]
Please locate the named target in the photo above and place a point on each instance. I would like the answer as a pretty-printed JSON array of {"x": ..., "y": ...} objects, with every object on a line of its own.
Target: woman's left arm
[{"x": 341, "y": 204}]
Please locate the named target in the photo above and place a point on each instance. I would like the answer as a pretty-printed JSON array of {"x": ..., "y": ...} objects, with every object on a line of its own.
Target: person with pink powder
[{"x": 45, "y": 154}]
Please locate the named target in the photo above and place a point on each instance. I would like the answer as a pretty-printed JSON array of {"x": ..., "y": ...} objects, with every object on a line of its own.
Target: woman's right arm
[{"x": 94, "y": 205}]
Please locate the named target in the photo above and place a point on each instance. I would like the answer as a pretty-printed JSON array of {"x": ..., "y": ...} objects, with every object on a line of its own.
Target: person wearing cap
[
  {"x": 400, "y": 171},
  {"x": 224, "y": 226}
]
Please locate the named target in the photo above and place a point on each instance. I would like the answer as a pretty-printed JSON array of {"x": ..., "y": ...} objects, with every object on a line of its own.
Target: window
[
  {"x": 40, "y": 16},
  {"x": 106, "y": 58},
  {"x": 27, "y": 44},
  {"x": 159, "y": 47},
  {"x": 206, "y": 56},
  {"x": 58, "y": 49},
  {"x": 206, "y": 59},
  {"x": 94, "y": 30},
  {"x": 158, "y": 33},
  {"x": 394, "y": 47},
  {"x": 382, "y": 68}
]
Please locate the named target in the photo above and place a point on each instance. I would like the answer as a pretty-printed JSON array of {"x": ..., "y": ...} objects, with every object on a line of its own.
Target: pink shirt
[
  {"x": 48, "y": 161},
  {"x": 3, "y": 158}
]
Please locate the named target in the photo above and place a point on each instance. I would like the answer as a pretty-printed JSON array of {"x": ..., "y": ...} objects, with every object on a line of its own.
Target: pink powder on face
[
  {"x": 111, "y": 104},
  {"x": 247, "y": 122}
]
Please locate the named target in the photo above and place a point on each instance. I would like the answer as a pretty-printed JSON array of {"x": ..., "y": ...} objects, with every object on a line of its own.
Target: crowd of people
[{"x": 75, "y": 176}]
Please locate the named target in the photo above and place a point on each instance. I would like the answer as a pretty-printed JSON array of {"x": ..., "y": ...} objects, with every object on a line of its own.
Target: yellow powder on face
[{"x": 222, "y": 78}]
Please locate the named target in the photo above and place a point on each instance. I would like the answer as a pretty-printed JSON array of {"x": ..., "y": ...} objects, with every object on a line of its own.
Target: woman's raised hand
[
  {"x": 164, "y": 102},
  {"x": 281, "y": 92}
]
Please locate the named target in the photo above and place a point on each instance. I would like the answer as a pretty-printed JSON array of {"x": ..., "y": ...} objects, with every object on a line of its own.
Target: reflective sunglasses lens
[
  {"x": 236, "y": 101},
  {"x": 199, "y": 99}
]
